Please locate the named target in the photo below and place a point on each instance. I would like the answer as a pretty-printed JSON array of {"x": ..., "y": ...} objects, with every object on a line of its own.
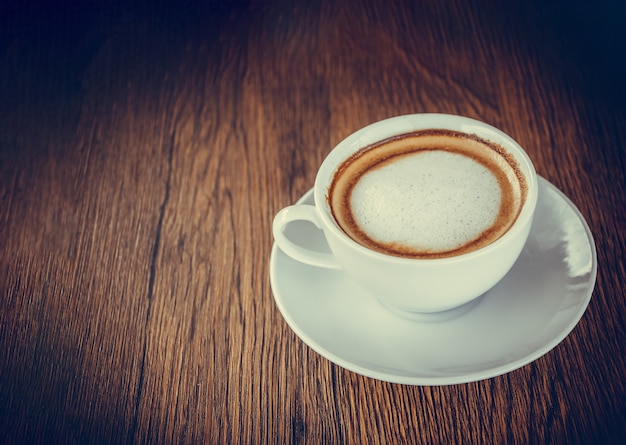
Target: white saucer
[{"x": 524, "y": 316}]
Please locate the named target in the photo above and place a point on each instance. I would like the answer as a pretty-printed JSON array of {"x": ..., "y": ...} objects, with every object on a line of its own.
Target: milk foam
[{"x": 428, "y": 200}]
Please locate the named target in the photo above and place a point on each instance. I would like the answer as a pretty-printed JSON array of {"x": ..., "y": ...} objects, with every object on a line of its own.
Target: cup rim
[{"x": 421, "y": 121}]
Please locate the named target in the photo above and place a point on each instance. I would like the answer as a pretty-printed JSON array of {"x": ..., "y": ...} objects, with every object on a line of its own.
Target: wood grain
[{"x": 145, "y": 148}]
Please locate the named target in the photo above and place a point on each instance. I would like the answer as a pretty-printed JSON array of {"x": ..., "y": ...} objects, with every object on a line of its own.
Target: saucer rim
[{"x": 455, "y": 379}]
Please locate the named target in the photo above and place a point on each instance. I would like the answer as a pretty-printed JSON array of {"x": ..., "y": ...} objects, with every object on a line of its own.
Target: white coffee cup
[{"x": 408, "y": 284}]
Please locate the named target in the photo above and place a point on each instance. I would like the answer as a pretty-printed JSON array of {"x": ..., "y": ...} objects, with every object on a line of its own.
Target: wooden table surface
[{"x": 146, "y": 147}]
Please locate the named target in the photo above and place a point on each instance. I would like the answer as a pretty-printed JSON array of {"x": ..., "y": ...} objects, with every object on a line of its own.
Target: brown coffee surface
[{"x": 427, "y": 194}]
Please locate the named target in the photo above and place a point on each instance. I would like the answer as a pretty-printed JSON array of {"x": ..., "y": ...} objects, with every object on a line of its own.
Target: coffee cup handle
[{"x": 297, "y": 252}]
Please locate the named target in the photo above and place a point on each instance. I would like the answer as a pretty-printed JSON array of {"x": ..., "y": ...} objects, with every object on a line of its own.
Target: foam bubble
[{"x": 430, "y": 200}]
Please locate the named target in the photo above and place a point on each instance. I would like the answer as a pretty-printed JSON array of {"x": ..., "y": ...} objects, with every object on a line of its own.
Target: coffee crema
[{"x": 427, "y": 194}]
